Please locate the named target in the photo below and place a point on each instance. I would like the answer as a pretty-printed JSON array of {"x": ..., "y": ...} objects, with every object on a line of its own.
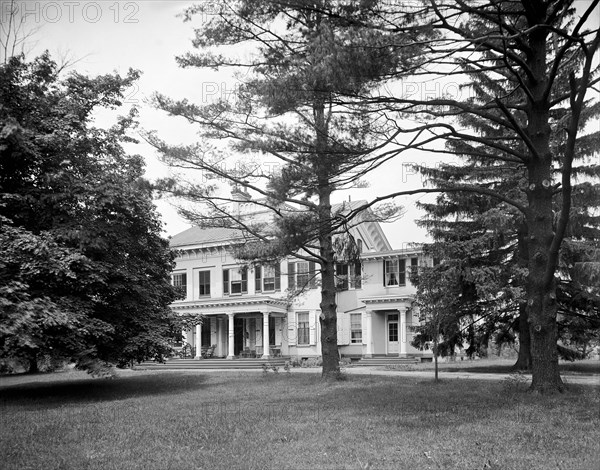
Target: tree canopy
[{"x": 84, "y": 272}]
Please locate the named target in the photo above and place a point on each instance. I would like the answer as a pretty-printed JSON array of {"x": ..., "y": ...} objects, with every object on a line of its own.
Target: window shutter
[
  {"x": 384, "y": 262},
  {"x": 292, "y": 276},
  {"x": 245, "y": 280},
  {"x": 277, "y": 277},
  {"x": 257, "y": 279},
  {"x": 312, "y": 327},
  {"x": 226, "y": 281},
  {"x": 312, "y": 281},
  {"x": 343, "y": 328},
  {"x": 357, "y": 275},
  {"x": 402, "y": 272}
]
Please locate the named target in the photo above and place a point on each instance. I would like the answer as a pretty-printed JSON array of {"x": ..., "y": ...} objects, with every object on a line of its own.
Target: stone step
[
  {"x": 386, "y": 360},
  {"x": 213, "y": 363}
]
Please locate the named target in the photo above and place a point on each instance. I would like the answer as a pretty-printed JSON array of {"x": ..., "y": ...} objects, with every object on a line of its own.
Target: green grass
[
  {"x": 188, "y": 420},
  {"x": 501, "y": 366}
]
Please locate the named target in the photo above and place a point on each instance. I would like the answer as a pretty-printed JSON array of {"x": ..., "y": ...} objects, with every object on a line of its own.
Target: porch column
[
  {"x": 266, "y": 351},
  {"x": 402, "y": 315},
  {"x": 368, "y": 329},
  {"x": 198, "y": 341},
  {"x": 220, "y": 335},
  {"x": 230, "y": 338}
]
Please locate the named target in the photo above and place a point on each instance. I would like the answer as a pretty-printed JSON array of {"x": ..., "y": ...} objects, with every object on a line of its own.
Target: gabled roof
[
  {"x": 367, "y": 230},
  {"x": 200, "y": 236},
  {"x": 365, "y": 227}
]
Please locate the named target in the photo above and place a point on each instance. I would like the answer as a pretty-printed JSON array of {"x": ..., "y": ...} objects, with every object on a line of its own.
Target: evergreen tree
[
  {"x": 305, "y": 59},
  {"x": 528, "y": 67}
]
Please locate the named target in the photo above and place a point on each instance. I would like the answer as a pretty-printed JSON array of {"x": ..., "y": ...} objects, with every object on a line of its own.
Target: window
[
  {"x": 204, "y": 283},
  {"x": 355, "y": 328},
  {"x": 344, "y": 277},
  {"x": 303, "y": 328},
  {"x": 393, "y": 331},
  {"x": 341, "y": 276},
  {"x": 301, "y": 275},
  {"x": 180, "y": 283},
  {"x": 267, "y": 278},
  {"x": 414, "y": 265},
  {"x": 394, "y": 272},
  {"x": 235, "y": 281},
  {"x": 393, "y": 327}
]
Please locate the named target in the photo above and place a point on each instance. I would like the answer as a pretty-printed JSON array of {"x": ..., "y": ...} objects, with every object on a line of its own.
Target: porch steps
[
  {"x": 386, "y": 361},
  {"x": 254, "y": 363}
]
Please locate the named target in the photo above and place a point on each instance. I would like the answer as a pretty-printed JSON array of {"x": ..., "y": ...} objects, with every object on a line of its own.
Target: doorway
[{"x": 393, "y": 337}]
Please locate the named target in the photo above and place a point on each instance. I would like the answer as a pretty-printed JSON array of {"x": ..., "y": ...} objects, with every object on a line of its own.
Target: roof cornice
[{"x": 260, "y": 303}]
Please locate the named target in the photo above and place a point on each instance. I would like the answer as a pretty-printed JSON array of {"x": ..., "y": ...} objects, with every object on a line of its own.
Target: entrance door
[
  {"x": 238, "y": 336},
  {"x": 393, "y": 337}
]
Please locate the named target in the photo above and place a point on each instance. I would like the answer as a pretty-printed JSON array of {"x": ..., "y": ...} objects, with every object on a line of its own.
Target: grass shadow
[{"x": 98, "y": 390}]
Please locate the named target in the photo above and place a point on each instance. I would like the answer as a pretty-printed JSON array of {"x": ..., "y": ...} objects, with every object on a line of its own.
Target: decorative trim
[
  {"x": 386, "y": 300},
  {"x": 237, "y": 302}
]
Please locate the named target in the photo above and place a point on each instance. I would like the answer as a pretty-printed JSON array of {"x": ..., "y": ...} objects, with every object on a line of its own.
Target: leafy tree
[
  {"x": 85, "y": 273},
  {"x": 302, "y": 60},
  {"x": 438, "y": 305}
]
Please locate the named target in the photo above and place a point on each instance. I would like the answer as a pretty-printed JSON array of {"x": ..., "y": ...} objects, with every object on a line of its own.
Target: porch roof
[
  {"x": 224, "y": 305},
  {"x": 388, "y": 302}
]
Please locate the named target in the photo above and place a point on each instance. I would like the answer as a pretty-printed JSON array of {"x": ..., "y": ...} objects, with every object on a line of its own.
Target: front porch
[
  {"x": 237, "y": 328},
  {"x": 388, "y": 328}
]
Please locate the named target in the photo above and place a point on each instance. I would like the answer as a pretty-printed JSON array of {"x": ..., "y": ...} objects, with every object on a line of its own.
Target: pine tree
[{"x": 291, "y": 105}]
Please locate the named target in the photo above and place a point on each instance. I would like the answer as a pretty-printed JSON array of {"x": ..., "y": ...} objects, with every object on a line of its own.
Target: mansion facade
[{"x": 258, "y": 312}]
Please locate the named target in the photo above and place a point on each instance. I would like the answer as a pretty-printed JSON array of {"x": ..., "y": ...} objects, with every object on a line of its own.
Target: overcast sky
[{"x": 109, "y": 36}]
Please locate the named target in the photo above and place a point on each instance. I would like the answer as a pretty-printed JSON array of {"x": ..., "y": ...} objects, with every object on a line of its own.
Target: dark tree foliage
[
  {"x": 84, "y": 272},
  {"x": 527, "y": 69}
]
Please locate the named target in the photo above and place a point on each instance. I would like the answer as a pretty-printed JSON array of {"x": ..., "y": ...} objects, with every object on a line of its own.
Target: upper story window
[
  {"x": 180, "y": 283},
  {"x": 235, "y": 281},
  {"x": 267, "y": 278},
  {"x": 348, "y": 276},
  {"x": 414, "y": 265},
  {"x": 302, "y": 275},
  {"x": 204, "y": 283},
  {"x": 394, "y": 272}
]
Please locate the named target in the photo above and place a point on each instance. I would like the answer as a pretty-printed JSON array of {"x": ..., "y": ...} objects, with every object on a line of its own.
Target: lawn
[
  {"x": 501, "y": 366},
  {"x": 195, "y": 420}
]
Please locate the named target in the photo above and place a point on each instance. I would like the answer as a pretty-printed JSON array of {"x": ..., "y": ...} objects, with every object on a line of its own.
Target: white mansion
[{"x": 249, "y": 312}]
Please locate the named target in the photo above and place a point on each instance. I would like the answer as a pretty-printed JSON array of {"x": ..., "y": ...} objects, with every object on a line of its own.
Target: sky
[{"x": 112, "y": 36}]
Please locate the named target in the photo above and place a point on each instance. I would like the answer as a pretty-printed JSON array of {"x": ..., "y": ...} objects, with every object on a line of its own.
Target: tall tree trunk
[
  {"x": 524, "y": 358},
  {"x": 541, "y": 294},
  {"x": 541, "y": 289},
  {"x": 328, "y": 318}
]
